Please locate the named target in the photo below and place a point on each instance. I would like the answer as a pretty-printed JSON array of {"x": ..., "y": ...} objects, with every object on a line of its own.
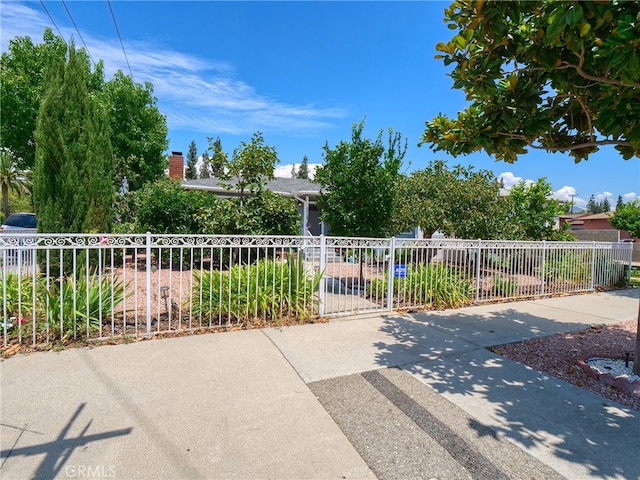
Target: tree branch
[
  {"x": 593, "y": 143},
  {"x": 582, "y": 73}
]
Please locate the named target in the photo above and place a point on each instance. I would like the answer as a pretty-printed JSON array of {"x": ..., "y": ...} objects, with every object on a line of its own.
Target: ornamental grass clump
[
  {"x": 266, "y": 291},
  {"x": 504, "y": 287},
  {"x": 429, "y": 286},
  {"x": 80, "y": 305}
]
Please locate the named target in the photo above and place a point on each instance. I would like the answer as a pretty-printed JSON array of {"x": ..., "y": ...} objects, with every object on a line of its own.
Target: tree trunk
[{"x": 5, "y": 200}]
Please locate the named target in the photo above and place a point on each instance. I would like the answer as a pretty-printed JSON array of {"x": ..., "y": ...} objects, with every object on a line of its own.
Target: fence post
[
  {"x": 593, "y": 266},
  {"x": 322, "y": 294},
  {"x": 478, "y": 257},
  {"x": 390, "y": 273},
  {"x": 542, "y": 268},
  {"x": 630, "y": 264},
  {"x": 148, "y": 261}
]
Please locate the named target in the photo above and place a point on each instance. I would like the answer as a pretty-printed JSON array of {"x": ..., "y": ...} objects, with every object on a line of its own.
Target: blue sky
[{"x": 301, "y": 73}]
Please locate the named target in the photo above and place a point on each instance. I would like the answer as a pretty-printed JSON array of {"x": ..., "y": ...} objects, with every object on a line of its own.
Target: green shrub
[
  {"x": 504, "y": 287},
  {"x": 17, "y": 302},
  {"x": 269, "y": 289},
  {"x": 161, "y": 207},
  {"x": 434, "y": 285},
  {"x": 566, "y": 266},
  {"x": 73, "y": 305}
]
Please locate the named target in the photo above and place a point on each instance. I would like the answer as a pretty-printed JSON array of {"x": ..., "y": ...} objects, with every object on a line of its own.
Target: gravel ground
[{"x": 557, "y": 355}]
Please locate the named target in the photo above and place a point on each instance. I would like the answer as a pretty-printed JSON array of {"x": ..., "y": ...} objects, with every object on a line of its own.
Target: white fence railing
[{"x": 58, "y": 288}]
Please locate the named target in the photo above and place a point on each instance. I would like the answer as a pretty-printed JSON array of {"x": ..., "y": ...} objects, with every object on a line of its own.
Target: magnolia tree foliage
[
  {"x": 557, "y": 76},
  {"x": 358, "y": 181}
]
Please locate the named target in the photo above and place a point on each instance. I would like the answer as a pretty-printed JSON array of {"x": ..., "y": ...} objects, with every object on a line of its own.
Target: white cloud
[
  {"x": 629, "y": 197},
  {"x": 599, "y": 197},
  {"x": 509, "y": 179},
  {"x": 194, "y": 94},
  {"x": 284, "y": 171},
  {"x": 568, "y": 194}
]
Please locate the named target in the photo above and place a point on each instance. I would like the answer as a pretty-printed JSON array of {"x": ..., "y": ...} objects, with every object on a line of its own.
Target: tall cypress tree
[
  {"x": 73, "y": 175},
  {"x": 192, "y": 158},
  {"x": 205, "y": 168},
  {"x": 303, "y": 171}
]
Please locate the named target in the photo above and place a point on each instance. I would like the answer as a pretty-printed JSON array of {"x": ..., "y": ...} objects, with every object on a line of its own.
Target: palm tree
[{"x": 11, "y": 178}]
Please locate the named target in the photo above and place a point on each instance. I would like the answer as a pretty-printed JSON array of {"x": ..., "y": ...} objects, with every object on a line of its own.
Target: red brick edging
[{"x": 620, "y": 383}]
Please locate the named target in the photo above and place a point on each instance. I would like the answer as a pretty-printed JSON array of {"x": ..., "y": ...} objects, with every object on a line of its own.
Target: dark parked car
[{"x": 19, "y": 223}]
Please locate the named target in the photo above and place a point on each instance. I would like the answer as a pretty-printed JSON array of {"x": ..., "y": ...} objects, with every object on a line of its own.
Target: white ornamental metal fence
[{"x": 59, "y": 288}]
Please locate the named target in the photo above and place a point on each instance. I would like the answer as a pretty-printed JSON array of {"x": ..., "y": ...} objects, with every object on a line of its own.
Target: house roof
[
  {"x": 598, "y": 216},
  {"x": 289, "y": 187}
]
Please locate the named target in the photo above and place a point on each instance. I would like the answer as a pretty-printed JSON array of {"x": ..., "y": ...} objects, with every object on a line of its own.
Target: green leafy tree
[
  {"x": 250, "y": 167},
  {"x": 557, "y": 76},
  {"x": 255, "y": 211},
  {"x": 218, "y": 157},
  {"x": 458, "y": 202},
  {"x": 532, "y": 212},
  {"x": 12, "y": 178},
  {"x": 358, "y": 180},
  {"x": 23, "y": 70},
  {"x": 191, "y": 171},
  {"x": 73, "y": 177},
  {"x": 138, "y": 130},
  {"x": 627, "y": 217}
]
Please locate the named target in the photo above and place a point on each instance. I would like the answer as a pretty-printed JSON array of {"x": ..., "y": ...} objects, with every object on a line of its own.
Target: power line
[
  {"x": 77, "y": 30},
  {"x": 51, "y": 18},
  {"x": 119, "y": 37}
]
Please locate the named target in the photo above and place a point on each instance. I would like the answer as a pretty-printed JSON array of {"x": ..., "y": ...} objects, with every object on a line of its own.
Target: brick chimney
[{"x": 176, "y": 165}]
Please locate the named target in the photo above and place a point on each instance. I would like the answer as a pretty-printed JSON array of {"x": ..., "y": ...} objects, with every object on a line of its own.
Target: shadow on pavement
[
  {"x": 534, "y": 410},
  {"x": 58, "y": 451}
]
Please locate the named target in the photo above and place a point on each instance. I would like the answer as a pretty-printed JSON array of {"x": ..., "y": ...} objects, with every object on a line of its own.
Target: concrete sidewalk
[{"x": 387, "y": 396}]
